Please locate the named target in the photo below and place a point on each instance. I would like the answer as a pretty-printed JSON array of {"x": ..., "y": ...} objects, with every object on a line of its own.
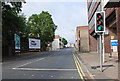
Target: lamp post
[{"x": 39, "y": 35}]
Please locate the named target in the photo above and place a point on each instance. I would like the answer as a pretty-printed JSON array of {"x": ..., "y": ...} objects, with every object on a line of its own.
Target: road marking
[
  {"x": 25, "y": 64},
  {"x": 78, "y": 68},
  {"x": 38, "y": 69},
  {"x": 92, "y": 75},
  {"x": 39, "y": 59},
  {"x": 51, "y": 76},
  {"x": 78, "y": 61},
  {"x": 32, "y": 75},
  {"x": 30, "y": 62},
  {"x": 85, "y": 68}
]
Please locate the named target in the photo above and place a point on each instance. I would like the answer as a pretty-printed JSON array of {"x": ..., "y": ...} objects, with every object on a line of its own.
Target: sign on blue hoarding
[{"x": 114, "y": 42}]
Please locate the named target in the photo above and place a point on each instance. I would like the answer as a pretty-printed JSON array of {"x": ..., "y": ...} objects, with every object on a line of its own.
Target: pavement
[
  {"x": 58, "y": 64},
  {"x": 91, "y": 66}
]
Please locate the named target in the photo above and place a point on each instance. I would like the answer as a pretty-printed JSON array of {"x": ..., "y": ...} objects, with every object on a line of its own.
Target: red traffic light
[{"x": 99, "y": 15}]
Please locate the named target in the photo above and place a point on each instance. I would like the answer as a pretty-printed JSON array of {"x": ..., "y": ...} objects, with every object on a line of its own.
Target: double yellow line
[{"x": 79, "y": 67}]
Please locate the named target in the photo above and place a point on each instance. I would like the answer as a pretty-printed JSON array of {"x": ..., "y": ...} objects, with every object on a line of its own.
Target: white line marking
[
  {"x": 30, "y": 62},
  {"x": 39, "y": 59},
  {"x": 51, "y": 76},
  {"x": 32, "y": 75},
  {"x": 24, "y": 64},
  {"x": 38, "y": 69}
]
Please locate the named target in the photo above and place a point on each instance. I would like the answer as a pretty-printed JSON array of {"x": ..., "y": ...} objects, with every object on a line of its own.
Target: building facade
[
  {"x": 82, "y": 38},
  {"x": 112, "y": 27},
  {"x": 71, "y": 45},
  {"x": 57, "y": 43},
  {"x": 93, "y": 6},
  {"x": 112, "y": 10}
]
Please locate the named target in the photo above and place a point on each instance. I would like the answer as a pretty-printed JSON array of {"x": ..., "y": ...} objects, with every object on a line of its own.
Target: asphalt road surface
[{"x": 53, "y": 65}]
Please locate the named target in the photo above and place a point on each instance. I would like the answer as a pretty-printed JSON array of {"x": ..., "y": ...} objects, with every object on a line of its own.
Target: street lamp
[{"x": 39, "y": 32}]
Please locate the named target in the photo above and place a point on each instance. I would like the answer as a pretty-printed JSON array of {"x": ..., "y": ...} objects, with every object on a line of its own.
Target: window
[{"x": 92, "y": 21}]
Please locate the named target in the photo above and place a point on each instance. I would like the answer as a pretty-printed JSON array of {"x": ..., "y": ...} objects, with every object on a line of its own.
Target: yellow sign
[{"x": 112, "y": 37}]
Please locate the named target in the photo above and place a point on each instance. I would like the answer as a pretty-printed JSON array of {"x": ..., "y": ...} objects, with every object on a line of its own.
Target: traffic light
[{"x": 99, "y": 22}]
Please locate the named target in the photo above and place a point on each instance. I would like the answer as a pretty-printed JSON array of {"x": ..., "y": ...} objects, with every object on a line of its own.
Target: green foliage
[
  {"x": 11, "y": 22},
  {"x": 13, "y": 7},
  {"x": 64, "y": 41},
  {"x": 42, "y": 26}
]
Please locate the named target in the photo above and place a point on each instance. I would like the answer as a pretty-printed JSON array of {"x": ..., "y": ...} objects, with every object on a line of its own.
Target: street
[
  {"x": 60, "y": 40},
  {"x": 53, "y": 65}
]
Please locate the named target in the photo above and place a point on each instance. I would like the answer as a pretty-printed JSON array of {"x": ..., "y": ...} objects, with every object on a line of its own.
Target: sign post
[{"x": 101, "y": 52}]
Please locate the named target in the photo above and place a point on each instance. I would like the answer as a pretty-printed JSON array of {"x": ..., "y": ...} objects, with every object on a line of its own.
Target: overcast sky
[{"x": 66, "y": 15}]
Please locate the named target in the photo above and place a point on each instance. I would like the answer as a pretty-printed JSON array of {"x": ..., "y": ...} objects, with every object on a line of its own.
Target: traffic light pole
[
  {"x": 100, "y": 52},
  {"x": 100, "y": 29},
  {"x": 103, "y": 34}
]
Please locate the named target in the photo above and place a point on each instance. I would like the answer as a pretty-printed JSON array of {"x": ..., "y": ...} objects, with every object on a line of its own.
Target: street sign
[
  {"x": 114, "y": 48},
  {"x": 114, "y": 42},
  {"x": 100, "y": 22}
]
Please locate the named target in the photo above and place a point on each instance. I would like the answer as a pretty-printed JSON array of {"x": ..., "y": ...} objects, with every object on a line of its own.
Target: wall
[
  {"x": 118, "y": 30},
  {"x": 112, "y": 32},
  {"x": 55, "y": 44},
  {"x": 84, "y": 40},
  {"x": 111, "y": 15},
  {"x": 93, "y": 44}
]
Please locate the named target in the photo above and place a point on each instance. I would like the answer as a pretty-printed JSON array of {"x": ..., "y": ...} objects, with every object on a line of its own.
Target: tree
[
  {"x": 11, "y": 22},
  {"x": 41, "y": 26},
  {"x": 64, "y": 41}
]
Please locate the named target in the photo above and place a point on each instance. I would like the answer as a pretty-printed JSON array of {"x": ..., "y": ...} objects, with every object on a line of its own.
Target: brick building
[
  {"x": 112, "y": 18},
  {"x": 113, "y": 24},
  {"x": 82, "y": 38},
  {"x": 93, "y": 6}
]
